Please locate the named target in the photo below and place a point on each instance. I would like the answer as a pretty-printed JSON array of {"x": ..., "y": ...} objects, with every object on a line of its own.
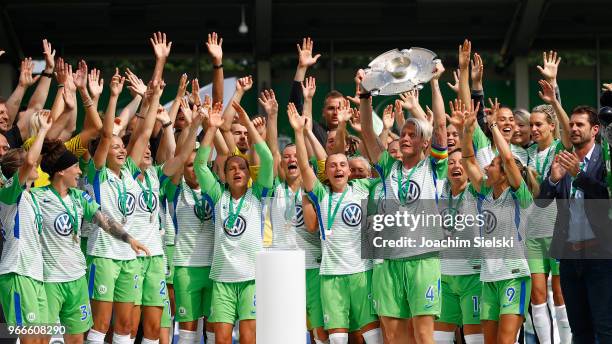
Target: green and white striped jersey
[
  {"x": 376, "y": 197},
  {"x": 193, "y": 221},
  {"x": 485, "y": 153},
  {"x": 340, "y": 214},
  {"x": 460, "y": 260},
  {"x": 117, "y": 198},
  {"x": 504, "y": 217},
  {"x": 21, "y": 251},
  {"x": 288, "y": 229},
  {"x": 422, "y": 184},
  {"x": 61, "y": 245},
  {"x": 145, "y": 222},
  {"x": 541, "y": 221},
  {"x": 237, "y": 243},
  {"x": 84, "y": 185}
]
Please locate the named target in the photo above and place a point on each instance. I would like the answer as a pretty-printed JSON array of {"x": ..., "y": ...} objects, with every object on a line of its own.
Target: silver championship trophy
[{"x": 396, "y": 71}]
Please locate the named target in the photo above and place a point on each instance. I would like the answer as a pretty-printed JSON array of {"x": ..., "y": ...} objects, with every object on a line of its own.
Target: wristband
[
  {"x": 467, "y": 156},
  {"x": 48, "y": 75},
  {"x": 139, "y": 115},
  {"x": 365, "y": 95},
  {"x": 166, "y": 125},
  {"x": 88, "y": 104},
  {"x": 218, "y": 66},
  {"x": 60, "y": 85},
  {"x": 493, "y": 125}
]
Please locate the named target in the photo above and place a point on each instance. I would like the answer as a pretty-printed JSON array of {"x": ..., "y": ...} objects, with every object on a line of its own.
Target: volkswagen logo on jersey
[
  {"x": 142, "y": 202},
  {"x": 414, "y": 192},
  {"x": 238, "y": 229},
  {"x": 63, "y": 226},
  {"x": 298, "y": 220},
  {"x": 130, "y": 203},
  {"x": 208, "y": 212},
  {"x": 351, "y": 214},
  {"x": 490, "y": 221}
]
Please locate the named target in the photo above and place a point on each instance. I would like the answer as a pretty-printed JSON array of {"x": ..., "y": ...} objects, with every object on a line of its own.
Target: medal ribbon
[
  {"x": 332, "y": 216},
  {"x": 231, "y": 220},
  {"x": 401, "y": 191},
  {"x": 122, "y": 193},
  {"x": 199, "y": 204},
  {"x": 541, "y": 171},
  {"x": 290, "y": 210},
  {"x": 148, "y": 191}
]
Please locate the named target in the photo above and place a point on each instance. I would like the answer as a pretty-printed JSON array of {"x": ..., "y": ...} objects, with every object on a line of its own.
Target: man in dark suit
[{"x": 583, "y": 230}]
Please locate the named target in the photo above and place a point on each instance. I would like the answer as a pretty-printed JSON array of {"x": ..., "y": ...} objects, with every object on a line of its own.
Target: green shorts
[
  {"x": 314, "y": 310},
  {"x": 461, "y": 299},
  {"x": 69, "y": 302},
  {"x": 539, "y": 259},
  {"x": 233, "y": 301},
  {"x": 166, "y": 319},
  {"x": 193, "y": 291},
  {"x": 113, "y": 280},
  {"x": 24, "y": 300},
  {"x": 411, "y": 287},
  {"x": 169, "y": 250},
  {"x": 347, "y": 300},
  {"x": 377, "y": 292},
  {"x": 151, "y": 287},
  {"x": 509, "y": 296}
]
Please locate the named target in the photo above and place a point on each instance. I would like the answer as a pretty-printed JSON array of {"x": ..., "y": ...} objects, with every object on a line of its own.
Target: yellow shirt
[{"x": 74, "y": 145}]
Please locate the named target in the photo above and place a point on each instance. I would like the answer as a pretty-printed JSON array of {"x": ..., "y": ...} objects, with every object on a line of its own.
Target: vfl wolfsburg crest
[{"x": 351, "y": 214}]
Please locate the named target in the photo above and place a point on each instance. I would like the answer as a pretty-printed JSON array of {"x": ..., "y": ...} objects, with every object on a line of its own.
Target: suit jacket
[{"x": 592, "y": 183}]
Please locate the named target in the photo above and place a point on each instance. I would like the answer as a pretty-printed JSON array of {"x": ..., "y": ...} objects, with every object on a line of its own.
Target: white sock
[
  {"x": 373, "y": 336},
  {"x": 133, "y": 340},
  {"x": 565, "y": 332},
  {"x": 316, "y": 338},
  {"x": 149, "y": 341},
  {"x": 186, "y": 337},
  {"x": 95, "y": 337},
  {"x": 474, "y": 338},
  {"x": 199, "y": 331},
  {"x": 338, "y": 338},
  {"x": 443, "y": 337},
  {"x": 318, "y": 341},
  {"x": 121, "y": 338},
  {"x": 541, "y": 322},
  {"x": 210, "y": 337}
]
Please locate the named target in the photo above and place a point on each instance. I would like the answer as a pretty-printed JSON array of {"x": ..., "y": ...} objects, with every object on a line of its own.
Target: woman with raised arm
[
  {"x": 460, "y": 266},
  {"x": 545, "y": 121},
  {"x": 191, "y": 210},
  {"x": 503, "y": 197},
  {"x": 239, "y": 222},
  {"x": 345, "y": 277},
  {"x": 113, "y": 267},
  {"x": 63, "y": 208},
  {"x": 411, "y": 186},
  {"x": 23, "y": 296}
]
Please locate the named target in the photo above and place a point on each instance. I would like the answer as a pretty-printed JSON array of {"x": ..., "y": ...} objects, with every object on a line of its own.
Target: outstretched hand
[
  {"x": 161, "y": 48},
  {"x": 298, "y": 123},
  {"x": 305, "y": 53},
  {"x": 465, "y": 50},
  {"x": 547, "y": 94},
  {"x": 267, "y": 100},
  {"x": 551, "y": 66},
  {"x": 214, "y": 47},
  {"x": 309, "y": 87}
]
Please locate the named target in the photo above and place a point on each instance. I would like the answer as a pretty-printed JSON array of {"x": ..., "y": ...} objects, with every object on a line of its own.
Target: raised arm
[
  {"x": 372, "y": 142},
  {"x": 215, "y": 51},
  {"x": 140, "y": 139},
  {"x": 548, "y": 96},
  {"x": 167, "y": 145},
  {"x": 437, "y": 104},
  {"x": 265, "y": 177},
  {"x": 267, "y": 100},
  {"x": 25, "y": 80},
  {"x": 33, "y": 154},
  {"x": 388, "y": 120},
  {"x": 161, "y": 48},
  {"x": 186, "y": 139},
  {"x": 242, "y": 85},
  {"x": 39, "y": 97},
  {"x": 92, "y": 123},
  {"x": 205, "y": 177},
  {"x": 95, "y": 85},
  {"x": 298, "y": 123},
  {"x": 512, "y": 171},
  {"x": 106, "y": 139},
  {"x": 180, "y": 95},
  {"x": 464, "y": 71},
  {"x": 410, "y": 102},
  {"x": 344, "y": 115},
  {"x": 465, "y": 121}
]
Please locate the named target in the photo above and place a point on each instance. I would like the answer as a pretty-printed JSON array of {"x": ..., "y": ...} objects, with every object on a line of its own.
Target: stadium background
[{"x": 509, "y": 34}]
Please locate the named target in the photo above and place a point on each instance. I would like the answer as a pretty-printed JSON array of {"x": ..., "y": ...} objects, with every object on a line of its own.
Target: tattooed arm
[{"x": 115, "y": 229}]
